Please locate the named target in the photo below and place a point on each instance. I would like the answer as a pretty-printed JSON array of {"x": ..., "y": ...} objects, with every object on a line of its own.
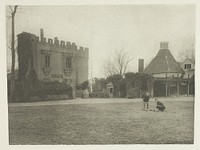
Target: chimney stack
[
  {"x": 140, "y": 65},
  {"x": 41, "y": 34},
  {"x": 164, "y": 45}
]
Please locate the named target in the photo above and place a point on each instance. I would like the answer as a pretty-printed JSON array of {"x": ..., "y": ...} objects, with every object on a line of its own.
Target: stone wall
[{"x": 58, "y": 52}]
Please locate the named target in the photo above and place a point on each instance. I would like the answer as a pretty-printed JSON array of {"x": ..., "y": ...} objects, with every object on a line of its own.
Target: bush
[
  {"x": 99, "y": 94},
  {"x": 79, "y": 93},
  {"x": 51, "y": 88},
  {"x": 43, "y": 91},
  {"x": 133, "y": 93},
  {"x": 83, "y": 85}
]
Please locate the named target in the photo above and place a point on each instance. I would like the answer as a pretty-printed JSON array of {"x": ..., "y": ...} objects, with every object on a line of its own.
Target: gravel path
[{"x": 97, "y": 100}]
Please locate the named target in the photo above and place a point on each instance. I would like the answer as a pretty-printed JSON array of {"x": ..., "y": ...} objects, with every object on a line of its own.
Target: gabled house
[
  {"x": 188, "y": 66},
  {"x": 187, "y": 85},
  {"x": 166, "y": 71}
]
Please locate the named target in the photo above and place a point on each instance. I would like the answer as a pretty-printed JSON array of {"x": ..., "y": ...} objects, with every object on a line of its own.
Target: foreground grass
[{"x": 114, "y": 123}]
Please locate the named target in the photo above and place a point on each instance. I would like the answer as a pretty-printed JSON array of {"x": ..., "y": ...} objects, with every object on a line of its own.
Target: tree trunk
[
  {"x": 12, "y": 87},
  {"x": 12, "y": 82}
]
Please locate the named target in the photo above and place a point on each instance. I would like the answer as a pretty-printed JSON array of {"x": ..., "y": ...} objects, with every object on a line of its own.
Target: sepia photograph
[{"x": 118, "y": 74}]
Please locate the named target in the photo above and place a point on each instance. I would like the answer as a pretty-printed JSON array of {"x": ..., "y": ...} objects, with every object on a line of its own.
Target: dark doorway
[
  {"x": 123, "y": 90},
  {"x": 172, "y": 90},
  {"x": 159, "y": 89},
  {"x": 191, "y": 92},
  {"x": 183, "y": 89}
]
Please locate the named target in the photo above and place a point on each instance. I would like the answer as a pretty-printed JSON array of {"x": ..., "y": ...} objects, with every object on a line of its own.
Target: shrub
[
  {"x": 133, "y": 93},
  {"x": 79, "y": 93},
  {"x": 43, "y": 91},
  {"x": 102, "y": 94},
  {"x": 51, "y": 88}
]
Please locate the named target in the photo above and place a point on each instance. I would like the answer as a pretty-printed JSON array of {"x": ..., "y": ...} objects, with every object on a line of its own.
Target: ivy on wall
[
  {"x": 138, "y": 81},
  {"x": 28, "y": 85},
  {"x": 26, "y": 44},
  {"x": 116, "y": 79}
]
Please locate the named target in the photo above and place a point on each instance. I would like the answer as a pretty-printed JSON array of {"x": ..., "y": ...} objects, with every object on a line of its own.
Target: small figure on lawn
[
  {"x": 146, "y": 98},
  {"x": 160, "y": 106}
]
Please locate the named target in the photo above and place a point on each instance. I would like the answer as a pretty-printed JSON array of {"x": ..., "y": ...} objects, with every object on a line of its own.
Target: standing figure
[{"x": 146, "y": 98}]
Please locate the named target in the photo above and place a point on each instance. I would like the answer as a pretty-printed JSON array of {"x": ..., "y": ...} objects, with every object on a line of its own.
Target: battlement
[
  {"x": 50, "y": 41},
  {"x": 83, "y": 49},
  {"x": 61, "y": 43},
  {"x": 55, "y": 42},
  {"x": 43, "y": 40}
]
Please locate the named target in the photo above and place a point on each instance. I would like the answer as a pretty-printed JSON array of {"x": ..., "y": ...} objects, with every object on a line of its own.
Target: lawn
[{"x": 111, "y": 123}]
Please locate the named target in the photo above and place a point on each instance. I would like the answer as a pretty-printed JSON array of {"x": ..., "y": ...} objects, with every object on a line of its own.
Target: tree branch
[
  {"x": 15, "y": 9},
  {"x": 11, "y": 9},
  {"x": 119, "y": 64}
]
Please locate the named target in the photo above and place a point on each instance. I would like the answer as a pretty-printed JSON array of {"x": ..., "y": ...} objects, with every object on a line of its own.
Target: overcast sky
[{"x": 104, "y": 29}]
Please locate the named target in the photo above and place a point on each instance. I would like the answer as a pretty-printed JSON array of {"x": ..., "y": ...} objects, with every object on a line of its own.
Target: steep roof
[
  {"x": 188, "y": 59},
  {"x": 163, "y": 62}
]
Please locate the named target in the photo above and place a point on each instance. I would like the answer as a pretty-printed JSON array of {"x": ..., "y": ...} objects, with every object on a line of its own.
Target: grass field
[{"x": 111, "y": 123}]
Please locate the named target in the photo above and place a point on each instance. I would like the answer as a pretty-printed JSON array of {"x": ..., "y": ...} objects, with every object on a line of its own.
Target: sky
[{"x": 104, "y": 29}]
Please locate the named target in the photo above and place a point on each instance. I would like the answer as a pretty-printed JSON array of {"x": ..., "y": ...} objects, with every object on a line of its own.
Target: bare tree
[
  {"x": 119, "y": 64},
  {"x": 109, "y": 68},
  {"x": 188, "y": 52},
  {"x": 12, "y": 86}
]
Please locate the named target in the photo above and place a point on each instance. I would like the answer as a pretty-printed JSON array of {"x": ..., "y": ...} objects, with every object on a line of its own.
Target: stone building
[{"x": 52, "y": 60}]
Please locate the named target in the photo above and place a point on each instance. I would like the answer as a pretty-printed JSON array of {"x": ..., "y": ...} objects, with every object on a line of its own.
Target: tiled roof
[{"x": 163, "y": 62}]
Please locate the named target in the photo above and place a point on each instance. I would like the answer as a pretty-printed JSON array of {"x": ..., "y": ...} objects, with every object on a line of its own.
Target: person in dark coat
[
  {"x": 160, "y": 106},
  {"x": 146, "y": 98}
]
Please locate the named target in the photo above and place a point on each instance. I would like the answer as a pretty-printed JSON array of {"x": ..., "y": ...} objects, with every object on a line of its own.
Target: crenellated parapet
[
  {"x": 82, "y": 49},
  {"x": 50, "y": 41},
  {"x": 56, "y": 44},
  {"x": 62, "y": 44}
]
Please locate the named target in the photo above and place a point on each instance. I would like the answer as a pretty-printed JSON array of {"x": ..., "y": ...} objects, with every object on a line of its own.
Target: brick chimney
[
  {"x": 41, "y": 34},
  {"x": 140, "y": 65}
]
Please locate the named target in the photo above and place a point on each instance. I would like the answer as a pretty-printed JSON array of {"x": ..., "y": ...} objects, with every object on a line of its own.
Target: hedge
[
  {"x": 42, "y": 91},
  {"x": 99, "y": 95}
]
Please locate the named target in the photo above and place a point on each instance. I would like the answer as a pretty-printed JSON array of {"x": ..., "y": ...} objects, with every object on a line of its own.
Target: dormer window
[{"x": 187, "y": 66}]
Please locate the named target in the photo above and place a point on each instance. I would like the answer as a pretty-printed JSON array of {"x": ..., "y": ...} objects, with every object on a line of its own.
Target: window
[
  {"x": 47, "y": 61},
  {"x": 68, "y": 62},
  {"x": 187, "y": 66}
]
